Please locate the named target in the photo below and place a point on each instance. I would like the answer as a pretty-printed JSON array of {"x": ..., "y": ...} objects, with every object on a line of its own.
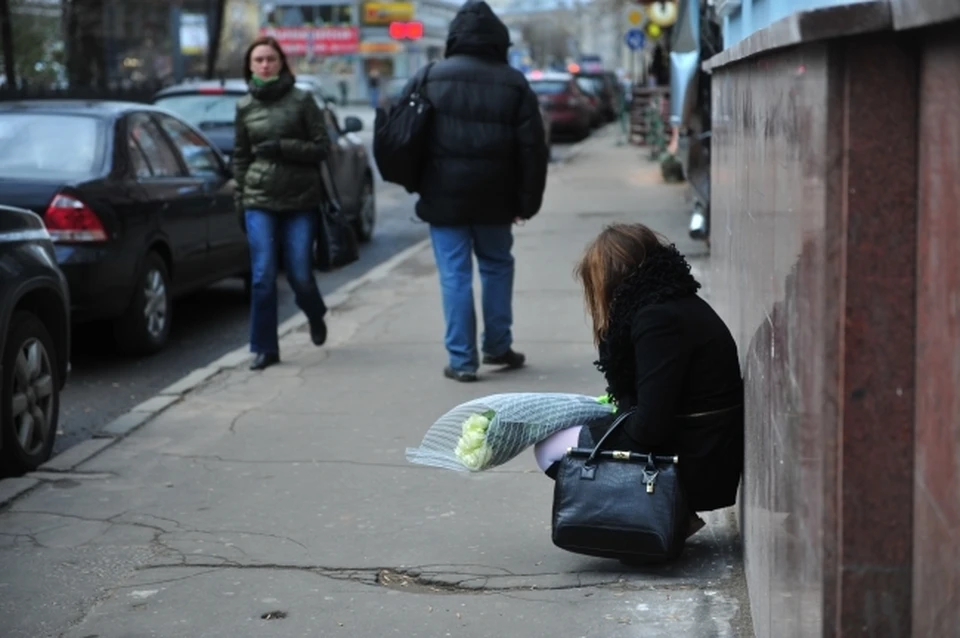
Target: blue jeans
[
  {"x": 293, "y": 234},
  {"x": 453, "y": 248}
]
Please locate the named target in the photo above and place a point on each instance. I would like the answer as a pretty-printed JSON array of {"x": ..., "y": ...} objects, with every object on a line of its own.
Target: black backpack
[{"x": 401, "y": 136}]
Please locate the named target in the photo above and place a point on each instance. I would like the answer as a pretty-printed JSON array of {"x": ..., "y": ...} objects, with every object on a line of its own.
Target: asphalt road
[{"x": 103, "y": 385}]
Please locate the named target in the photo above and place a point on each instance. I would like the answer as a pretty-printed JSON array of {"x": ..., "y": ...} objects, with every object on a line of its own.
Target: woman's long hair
[
  {"x": 617, "y": 252},
  {"x": 273, "y": 44}
]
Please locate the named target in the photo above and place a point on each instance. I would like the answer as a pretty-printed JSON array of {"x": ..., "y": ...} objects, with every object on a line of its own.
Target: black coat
[
  {"x": 684, "y": 383},
  {"x": 487, "y": 157}
]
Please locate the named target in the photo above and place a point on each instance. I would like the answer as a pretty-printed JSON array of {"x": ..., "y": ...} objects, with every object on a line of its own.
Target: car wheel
[
  {"x": 145, "y": 327},
  {"x": 367, "y": 213},
  {"x": 30, "y": 395}
]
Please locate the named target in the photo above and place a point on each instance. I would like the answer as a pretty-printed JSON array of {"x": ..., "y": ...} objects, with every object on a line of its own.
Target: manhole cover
[{"x": 400, "y": 581}]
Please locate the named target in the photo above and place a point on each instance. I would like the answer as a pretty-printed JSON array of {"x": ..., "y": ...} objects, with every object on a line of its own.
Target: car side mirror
[{"x": 352, "y": 124}]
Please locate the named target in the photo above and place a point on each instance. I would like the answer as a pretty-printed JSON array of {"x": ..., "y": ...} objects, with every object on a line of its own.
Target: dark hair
[
  {"x": 273, "y": 44},
  {"x": 610, "y": 258}
]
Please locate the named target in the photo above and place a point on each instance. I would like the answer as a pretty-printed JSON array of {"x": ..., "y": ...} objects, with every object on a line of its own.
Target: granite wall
[{"x": 835, "y": 219}]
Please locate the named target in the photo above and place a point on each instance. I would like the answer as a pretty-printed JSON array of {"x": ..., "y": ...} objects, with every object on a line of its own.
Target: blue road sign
[{"x": 634, "y": 39}]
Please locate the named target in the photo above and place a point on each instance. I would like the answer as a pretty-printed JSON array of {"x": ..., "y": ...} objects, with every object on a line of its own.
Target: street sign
[
  {"x": 634, "y": 39},
  {"x": 634, "y": 16}
]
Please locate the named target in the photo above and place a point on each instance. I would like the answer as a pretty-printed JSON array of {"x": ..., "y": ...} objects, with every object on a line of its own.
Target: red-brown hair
[
  {"x": 610, "y": 258},
  {"x": 273, "y": 44}
]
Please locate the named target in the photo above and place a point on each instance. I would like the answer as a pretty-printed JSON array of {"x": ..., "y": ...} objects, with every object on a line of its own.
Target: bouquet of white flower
[{"x": 486, "y": 432}]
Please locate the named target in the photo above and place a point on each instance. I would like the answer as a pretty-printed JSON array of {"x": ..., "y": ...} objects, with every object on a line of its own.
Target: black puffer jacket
[{"x": 487, "y": 158}]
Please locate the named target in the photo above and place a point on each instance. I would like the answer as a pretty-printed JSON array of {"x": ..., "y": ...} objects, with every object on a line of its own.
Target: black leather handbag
[
  {"x": 336, "y": 244},
  {"x": 400, "y": 137},
  {"x": 619, "y": 504}
]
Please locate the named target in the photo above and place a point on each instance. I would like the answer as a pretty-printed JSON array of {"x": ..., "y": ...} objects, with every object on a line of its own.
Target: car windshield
[
  {"x": 548, "y": 87},
  {"x": 49, "y": 145},
  {"x": 203, "y": 110}
]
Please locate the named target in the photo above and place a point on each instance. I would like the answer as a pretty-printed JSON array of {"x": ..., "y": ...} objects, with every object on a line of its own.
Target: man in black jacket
[{"x": 486, "y": 168}]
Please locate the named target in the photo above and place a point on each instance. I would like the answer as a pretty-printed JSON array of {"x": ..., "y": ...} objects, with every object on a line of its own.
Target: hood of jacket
[{"x": 476, "y": 30}]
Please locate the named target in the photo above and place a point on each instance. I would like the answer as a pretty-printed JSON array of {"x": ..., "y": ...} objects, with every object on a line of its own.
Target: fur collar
[{"x": 664, "y": 275}]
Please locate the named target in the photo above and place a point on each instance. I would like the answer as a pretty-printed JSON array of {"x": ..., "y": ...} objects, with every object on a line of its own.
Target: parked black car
[
  {"x": 34, "y": 341},
  {"x": 211, "y": 106},
  {"x": 138, "y": 202}
]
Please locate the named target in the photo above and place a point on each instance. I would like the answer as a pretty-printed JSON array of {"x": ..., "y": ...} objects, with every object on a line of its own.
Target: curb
[{"x": 124, "y": 425}]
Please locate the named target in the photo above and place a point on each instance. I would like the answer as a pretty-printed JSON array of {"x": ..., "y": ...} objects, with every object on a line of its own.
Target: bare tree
[
  {"x": 6, "y": 36},
  {"x": 548, "y": 37},
  {"x": 85, "y": 38}
]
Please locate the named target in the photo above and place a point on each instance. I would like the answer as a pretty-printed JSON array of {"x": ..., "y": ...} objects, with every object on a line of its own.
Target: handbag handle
[
  {"x": 592, "y": 459},
  {"x": 333, "y": 194}
]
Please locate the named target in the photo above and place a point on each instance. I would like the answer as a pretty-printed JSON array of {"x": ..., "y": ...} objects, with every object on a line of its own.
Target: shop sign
[
  {"x": 383, "y": 13},
  {"x": 315, "y": 40},
  {"x": 380, "y": 47}
]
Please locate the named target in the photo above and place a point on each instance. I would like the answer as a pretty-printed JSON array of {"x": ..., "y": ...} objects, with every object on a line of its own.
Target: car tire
[
  {"x": 145, "y": 326},
  {"x": 30, "y": 394},
  {"x": 366, "y": 212}
]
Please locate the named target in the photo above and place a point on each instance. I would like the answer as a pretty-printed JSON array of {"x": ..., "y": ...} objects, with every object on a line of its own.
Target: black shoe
[
  {"x": 510, "y": 360},
  {"x": 265, "y": 360},
  {"x": 318, "y": 333},
  {"x": 462, "y": 376}
]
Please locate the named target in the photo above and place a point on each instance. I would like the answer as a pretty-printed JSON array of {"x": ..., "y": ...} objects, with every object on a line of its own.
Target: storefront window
[{"x": 310, "y": 16}]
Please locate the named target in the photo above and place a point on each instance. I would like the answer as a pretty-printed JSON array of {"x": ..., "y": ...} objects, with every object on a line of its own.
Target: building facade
[{"x": 346, "y": 42}]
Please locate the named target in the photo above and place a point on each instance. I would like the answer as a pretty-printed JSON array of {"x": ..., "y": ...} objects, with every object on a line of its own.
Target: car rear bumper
[{"x": 99, "y": 278}]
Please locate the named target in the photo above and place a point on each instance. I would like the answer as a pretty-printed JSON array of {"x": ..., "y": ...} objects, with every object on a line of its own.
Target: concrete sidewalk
[{"x": 281, "y": 504}]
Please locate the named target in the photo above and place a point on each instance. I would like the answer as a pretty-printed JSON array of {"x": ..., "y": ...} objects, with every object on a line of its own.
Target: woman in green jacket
[{"x": 281, "y": 140}]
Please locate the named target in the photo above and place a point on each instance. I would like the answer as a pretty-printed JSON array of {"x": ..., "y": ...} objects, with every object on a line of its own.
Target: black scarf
[
  {"x": 273, "y": 91},
  {"x": 664, "y": 275}
]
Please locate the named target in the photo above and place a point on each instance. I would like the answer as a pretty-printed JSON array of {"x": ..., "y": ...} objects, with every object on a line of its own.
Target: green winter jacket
[{"x": 286, "y": 179}]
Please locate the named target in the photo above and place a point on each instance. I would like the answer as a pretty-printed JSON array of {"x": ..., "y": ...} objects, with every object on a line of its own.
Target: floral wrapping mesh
[{"x": 517, "y": 420}]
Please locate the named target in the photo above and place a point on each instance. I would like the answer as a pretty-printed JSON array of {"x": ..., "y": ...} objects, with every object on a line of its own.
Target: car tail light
[{"x": 70, "y": 220}]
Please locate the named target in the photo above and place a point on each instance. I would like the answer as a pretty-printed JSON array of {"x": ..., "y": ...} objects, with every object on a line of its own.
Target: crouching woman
[{"x": 666, "y": 355}]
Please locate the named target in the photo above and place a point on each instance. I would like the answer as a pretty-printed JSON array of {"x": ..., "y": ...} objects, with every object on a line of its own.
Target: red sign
[
  {"x": 406, "y": 30},
  {"x": 318, "y": 40}
]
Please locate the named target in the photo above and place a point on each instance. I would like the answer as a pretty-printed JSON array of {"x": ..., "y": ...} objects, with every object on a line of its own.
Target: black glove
[{"x": 268, "y": 150}]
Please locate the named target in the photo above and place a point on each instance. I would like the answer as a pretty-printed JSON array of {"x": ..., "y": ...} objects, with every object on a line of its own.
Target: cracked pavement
[{"x": 281, "y": 503}]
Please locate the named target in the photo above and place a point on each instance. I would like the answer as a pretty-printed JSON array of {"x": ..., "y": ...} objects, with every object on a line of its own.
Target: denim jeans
[
  {"x": 453, "y": 248},
  {"x": 293, "y": 235}
]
